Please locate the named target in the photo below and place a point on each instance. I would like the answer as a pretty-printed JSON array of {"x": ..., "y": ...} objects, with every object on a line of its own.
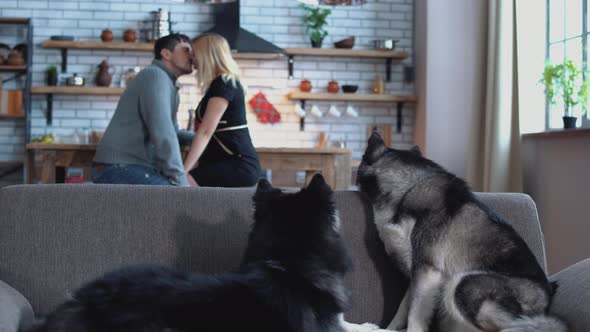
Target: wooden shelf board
[
  {"x": 11, "y": 116},
  {"x": 60, "y": 146},
  {"x": 13, "y": 20},
  {"x": 257, "y": 56},
  {"x": 99, "y": 45},
  {"x": 10, "y": 163},
  {"x": 353, "y": 53},
  {"x": 77, "y": 90},
  {"x": 139, "y": 47},
  {"x": 297, "y": 95},
  {"x": 12, "y": 68}
]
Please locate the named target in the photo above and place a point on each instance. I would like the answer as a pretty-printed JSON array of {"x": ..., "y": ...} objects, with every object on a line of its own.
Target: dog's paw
[
  {"x": 366, "y": 327},
  {"x": 370, "y": 327}
]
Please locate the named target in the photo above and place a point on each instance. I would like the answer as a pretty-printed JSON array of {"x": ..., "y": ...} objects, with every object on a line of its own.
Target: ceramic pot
[
  {"x": 316, "y": 44},
  {"x": 305, "y": 86},
  {"x": 106, "y": 35},
  {"x": 103, "y": 78},
  {"x": 51, "y": 79},
  {"x": 333, "y": 87},
  {"x": 569, "y": 122},
  {"x": 15, "y": 59},
  {"x": 130, "y": 36}
]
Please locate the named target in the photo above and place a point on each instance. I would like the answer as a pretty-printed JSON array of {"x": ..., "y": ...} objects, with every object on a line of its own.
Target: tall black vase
[
  {"x": 569, "y": 122},
  {"x": 316, "y": 44}
]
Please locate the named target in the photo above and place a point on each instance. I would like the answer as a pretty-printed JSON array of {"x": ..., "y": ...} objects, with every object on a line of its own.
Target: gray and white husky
[{"x": 467, "y": 267}]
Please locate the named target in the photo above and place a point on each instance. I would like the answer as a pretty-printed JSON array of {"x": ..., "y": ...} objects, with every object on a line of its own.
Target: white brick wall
[{"x": 278, "y": 21}]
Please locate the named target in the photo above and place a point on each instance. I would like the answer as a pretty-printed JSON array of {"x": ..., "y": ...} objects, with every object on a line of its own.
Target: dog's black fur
[{"x": 291, "y": 279}]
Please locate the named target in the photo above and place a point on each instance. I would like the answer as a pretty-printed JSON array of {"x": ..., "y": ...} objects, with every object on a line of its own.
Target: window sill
[{"x": 577, "y": 132}]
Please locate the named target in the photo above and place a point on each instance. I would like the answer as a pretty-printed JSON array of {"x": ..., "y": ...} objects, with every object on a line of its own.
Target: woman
[{"x": 222, "y": 149}]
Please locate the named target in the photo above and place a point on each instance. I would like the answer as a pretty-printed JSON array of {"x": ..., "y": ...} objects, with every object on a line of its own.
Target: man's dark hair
[{"x": 168, "y": 42}]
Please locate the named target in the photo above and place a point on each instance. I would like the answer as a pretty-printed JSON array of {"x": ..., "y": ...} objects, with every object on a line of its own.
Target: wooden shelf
[
  {"x": 257, "y": 56},
  {"x": 347, "y": 97},
  {"x": 297, "y": 95},
  {"x": 353, "y": 53},
  {"x": 11, "y": 116},
  {"x": 99, "y": 45},
  {"x": 139, "y": 47},
  {"x": 14, "y": 20},
  {"x": 10, "y": 163},
  {"x": 12, "y": 68},
  {"x": 77, "y": 90},
  {"x": 389, "y": 56}
]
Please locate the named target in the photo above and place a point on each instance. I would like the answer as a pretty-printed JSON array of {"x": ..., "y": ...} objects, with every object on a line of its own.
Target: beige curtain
[{"x": 494, "y": 156}]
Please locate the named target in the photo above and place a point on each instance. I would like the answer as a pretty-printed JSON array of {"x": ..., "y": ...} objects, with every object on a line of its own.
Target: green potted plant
[
  {"x": 52, "y": 75},
  {"x": 315, "y": 19},
  {"x": 565, "y": 82}
]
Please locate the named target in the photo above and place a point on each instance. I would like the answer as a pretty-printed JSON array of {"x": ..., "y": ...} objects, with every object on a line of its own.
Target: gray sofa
[{"x": 53, "y": 238}]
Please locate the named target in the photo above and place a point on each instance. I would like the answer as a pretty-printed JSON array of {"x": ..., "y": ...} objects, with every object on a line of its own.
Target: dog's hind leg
[
  {"x": 493, "y": 302},
  {"x": 400, "y": 320},
  {"x": 425, "y": 290}
]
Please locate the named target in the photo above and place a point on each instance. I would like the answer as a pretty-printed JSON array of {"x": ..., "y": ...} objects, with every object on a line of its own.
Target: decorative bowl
[
  {"x": 348, "y": 88},
  {"x": 345, "y": 43}
]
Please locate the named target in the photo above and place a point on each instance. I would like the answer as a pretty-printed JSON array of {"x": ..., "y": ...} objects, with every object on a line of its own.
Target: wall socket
[
  {"x": 300, "y": 177},
  {"x": 268, "y": 174}
]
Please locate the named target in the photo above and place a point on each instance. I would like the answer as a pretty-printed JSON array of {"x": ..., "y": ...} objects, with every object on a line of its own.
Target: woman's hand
[
  {"x": 191, "y": 180},
  {"x": 215, "y": 109}
]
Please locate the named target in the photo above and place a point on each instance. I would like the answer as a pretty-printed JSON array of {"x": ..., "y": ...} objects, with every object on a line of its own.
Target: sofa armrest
[
  {"x": 15, "y": 310},
  {"x": 571, "y": 301}
]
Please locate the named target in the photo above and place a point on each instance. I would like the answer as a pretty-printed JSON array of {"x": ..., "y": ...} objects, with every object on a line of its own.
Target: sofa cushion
[{"x": 53, "y": 238}]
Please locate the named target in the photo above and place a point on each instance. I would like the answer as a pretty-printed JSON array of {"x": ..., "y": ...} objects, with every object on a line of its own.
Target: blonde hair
[{"x": 213, "y": 58}]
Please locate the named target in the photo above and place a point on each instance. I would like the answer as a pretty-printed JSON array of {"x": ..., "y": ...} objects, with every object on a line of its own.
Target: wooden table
[{"x": 333, "y": 163}]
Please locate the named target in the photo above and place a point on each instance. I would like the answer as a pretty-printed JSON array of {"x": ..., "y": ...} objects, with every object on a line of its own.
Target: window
[
  {"x": 567, "y": 37},
  {"x": 531, "y": 43}
]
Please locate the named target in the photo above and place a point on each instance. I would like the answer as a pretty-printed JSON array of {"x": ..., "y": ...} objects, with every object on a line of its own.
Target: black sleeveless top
[{"x": 231, "y": 140}]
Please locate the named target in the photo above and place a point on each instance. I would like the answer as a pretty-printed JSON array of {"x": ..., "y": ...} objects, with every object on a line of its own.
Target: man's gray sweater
[{"x": 144, "y": 129}]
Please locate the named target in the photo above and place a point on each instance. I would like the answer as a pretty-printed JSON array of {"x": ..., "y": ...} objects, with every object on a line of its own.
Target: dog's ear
[
  {"x": 319, "y": 186},
  {"x": 416, "y": 150},
  {"x": 264, "y": 194},
  {"x": 375, "y": 148},
  {"x": 263, "y": 190},
  {"x": 317, "y": 181},
  {"x": 263, "y": 185}
]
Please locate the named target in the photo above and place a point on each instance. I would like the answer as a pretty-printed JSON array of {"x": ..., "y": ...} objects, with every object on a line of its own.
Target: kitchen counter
[{"x": 333, "y": 163}]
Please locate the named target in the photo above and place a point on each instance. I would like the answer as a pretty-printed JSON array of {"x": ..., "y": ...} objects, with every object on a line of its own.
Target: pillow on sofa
[{"x": 15, "y": 310}]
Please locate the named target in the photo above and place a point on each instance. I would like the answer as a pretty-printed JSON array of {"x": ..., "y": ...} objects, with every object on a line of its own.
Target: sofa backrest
[{"x": 54, "y": 238}]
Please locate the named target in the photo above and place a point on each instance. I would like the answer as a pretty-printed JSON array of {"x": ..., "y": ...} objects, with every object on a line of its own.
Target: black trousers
[{"x": 227, "y": 173}]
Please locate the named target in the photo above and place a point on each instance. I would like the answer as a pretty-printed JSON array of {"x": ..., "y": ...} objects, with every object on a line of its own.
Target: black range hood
[{"x": 227, "y": 24}]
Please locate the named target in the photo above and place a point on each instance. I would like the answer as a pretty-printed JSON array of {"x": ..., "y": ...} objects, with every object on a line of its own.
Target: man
[{"x": 141, "y": 143}]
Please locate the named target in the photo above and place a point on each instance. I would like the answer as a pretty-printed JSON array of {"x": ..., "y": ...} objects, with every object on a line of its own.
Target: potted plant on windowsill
[
  {"x": 565, "y": 82},
  {"x": 315, "y": 19}
]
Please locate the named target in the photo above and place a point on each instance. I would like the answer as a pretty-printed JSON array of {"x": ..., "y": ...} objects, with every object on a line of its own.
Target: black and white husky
[
  {"x": 467, "y": 266},
  {"x": 291, "y": 280}
]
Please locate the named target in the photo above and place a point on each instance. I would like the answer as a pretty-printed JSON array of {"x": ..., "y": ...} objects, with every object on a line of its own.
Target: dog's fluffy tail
[{"x": 536, "y": 324}]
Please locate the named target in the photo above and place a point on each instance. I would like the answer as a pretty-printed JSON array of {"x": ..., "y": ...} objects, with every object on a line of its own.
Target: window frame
[{"x": 585, "y": 34}]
